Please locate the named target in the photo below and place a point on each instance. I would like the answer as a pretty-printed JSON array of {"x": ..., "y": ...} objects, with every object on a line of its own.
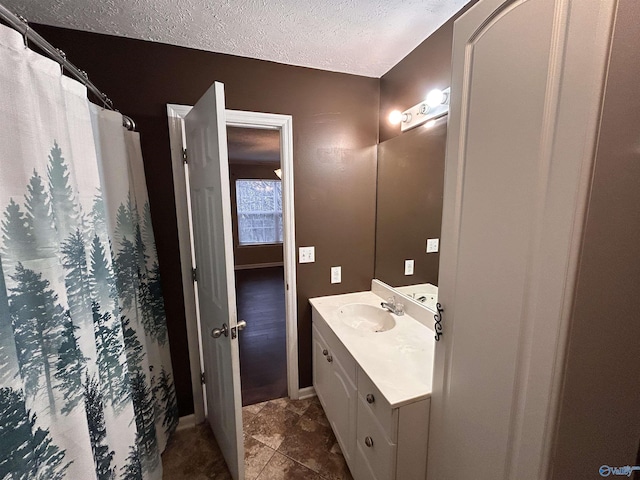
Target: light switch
[
  {"x": 307, "y": 254},
  {"x": 408, "y": 267},
  {"x": 432, "y": 245},
  {"x": 336, "y": 274}
]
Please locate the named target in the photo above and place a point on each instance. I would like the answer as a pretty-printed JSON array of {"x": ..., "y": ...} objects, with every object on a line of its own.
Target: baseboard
[
  {"x": 306, "y": 392},
  {"x": 258, "y": 265},
  {"x": 188, "y": 421}
]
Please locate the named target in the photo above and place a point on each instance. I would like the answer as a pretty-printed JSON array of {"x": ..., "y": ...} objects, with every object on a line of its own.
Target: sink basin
[{"x": 367, "y": 318}]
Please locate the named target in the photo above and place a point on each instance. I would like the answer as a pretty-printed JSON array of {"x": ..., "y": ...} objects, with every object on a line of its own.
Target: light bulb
[
  {"x": 430, "y": 124},
  {"x": 435, "y": 97},
  {"x": 395, "y": 117}
]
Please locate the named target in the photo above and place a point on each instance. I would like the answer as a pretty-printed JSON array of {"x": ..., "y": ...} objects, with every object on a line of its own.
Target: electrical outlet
[
  {"x": 307, "y": 254},
  {"x": 336, "y": 274},
  {"x": 432, "y": 245},
  {"x": 408, "y": 267}
]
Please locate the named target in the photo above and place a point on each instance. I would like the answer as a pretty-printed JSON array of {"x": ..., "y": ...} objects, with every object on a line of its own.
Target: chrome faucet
[{"x": 393, "y": 306}]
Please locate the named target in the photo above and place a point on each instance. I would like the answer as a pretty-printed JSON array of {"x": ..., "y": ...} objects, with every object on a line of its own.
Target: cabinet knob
[
  {"x": 370, "y": 398},
  {"x": 368, "y": 441},
  {"x": 325, "y": 352},
  {"x": 329, "y": 358}
]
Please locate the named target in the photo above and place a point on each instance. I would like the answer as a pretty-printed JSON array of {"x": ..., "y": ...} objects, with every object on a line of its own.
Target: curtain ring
[
  {"x": 85, "y": 77},
  {"x": 108, "y": 104},
  {"x": 63, "y": 58},
  {"x": 25, "y": 34},
  {"x": 25, "y": 37}
]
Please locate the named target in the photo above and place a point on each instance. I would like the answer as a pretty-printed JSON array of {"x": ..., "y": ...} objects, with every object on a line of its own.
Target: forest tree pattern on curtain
[{"x": 86, "y": 387}]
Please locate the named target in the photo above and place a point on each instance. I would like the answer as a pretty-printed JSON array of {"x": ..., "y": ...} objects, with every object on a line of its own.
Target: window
[{"x": 259, "y": 206}]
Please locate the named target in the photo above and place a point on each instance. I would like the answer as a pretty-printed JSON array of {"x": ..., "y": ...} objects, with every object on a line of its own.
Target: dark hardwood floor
[{"x": 263, "y": 356}]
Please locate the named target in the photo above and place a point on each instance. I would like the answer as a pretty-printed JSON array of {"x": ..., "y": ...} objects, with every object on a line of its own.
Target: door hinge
[
  {"x": 185, "y": 158},
  {"x": 202, "y": 380},
  {"x": 194, "y": 274}
]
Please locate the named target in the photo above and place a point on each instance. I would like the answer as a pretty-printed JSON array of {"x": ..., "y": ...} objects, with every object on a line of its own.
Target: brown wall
[
  {"x": 427, "y": 67},
  {"x": 599, "y": 421},
  {"x": 409, "y": 204},
  {"x": 251, "y": 254},
  {"x": 409, "y": 208},
  {"x": 335, "y": 128}
]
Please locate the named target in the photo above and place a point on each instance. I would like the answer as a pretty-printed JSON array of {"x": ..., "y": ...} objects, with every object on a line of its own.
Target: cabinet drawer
[
  {"x": 376, "y": 460},
  {"x": 377, "y": 406}
]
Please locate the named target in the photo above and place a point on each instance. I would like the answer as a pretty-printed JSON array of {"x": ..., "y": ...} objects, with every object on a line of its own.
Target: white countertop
[{"x": 398, "y": 361}]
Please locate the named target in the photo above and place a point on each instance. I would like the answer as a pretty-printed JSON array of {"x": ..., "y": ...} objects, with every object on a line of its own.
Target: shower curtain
[{"x": 86, "y": 386}]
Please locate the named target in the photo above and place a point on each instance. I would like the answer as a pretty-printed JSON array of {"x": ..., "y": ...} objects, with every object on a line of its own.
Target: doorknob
[
  {"x": 217, "y": 332},
  {"x": 242, "y": 324}
]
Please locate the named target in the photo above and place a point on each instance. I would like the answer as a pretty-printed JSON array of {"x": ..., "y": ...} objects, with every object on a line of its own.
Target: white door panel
[
  {"x": 206, "y": 138},
  {"x": 526, "y": 81}
]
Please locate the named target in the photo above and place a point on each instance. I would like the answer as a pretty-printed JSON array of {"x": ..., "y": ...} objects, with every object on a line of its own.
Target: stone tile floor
[{"x": 284, "y": 440}]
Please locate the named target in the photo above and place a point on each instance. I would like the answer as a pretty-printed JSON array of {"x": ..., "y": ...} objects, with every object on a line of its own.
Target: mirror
[{"x": 409, "y": 210}]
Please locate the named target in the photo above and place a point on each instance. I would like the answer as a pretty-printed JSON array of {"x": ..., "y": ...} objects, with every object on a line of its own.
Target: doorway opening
[
  {"x": 256, "y": 210},
  {"x": 281, "y": 125}
]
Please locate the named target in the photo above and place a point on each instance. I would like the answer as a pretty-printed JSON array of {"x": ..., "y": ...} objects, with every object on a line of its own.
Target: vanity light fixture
[
  {"x": 437, "y": 97},
  {"x": 434, "y": 106},
  {"x": 397, "y": 116}
]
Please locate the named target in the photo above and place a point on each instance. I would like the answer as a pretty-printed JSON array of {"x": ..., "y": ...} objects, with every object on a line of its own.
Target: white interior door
[
  {"x": 525, "y": 92},
  {"x": 206, "y": 138}
]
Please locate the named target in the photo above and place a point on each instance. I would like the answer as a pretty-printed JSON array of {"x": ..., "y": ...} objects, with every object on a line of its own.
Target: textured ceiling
[{"x": 364, "y": 37}]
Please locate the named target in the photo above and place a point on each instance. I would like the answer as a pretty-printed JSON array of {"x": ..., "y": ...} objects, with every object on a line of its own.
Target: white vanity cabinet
[{"x": 380, "y": 441}]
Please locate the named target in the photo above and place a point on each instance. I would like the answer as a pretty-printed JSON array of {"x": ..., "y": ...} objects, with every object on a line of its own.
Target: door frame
[{"x": 243, "y": 119}]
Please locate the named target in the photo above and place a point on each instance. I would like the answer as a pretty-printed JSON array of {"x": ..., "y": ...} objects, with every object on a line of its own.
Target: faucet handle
[
  {"x": 399, "y": 308},
  {"x": 392, "y": 300}
]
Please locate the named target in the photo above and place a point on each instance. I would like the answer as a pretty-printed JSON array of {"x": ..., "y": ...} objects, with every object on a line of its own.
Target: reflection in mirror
[
  {"x": 424, "y": 293},
  {"x": 409, "y": 210}
]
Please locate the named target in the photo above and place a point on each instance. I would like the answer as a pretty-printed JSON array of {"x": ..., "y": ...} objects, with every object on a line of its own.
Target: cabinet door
[
  {"x": 527, "y": 79},
  {"x": 341, "y": 407},
  {"x": 336, "y": 391},
  {"x": 321, "y": 368}
]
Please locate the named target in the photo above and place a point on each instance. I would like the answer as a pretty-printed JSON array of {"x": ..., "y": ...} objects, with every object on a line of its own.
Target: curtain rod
[{"x": 21, "y": 24}]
